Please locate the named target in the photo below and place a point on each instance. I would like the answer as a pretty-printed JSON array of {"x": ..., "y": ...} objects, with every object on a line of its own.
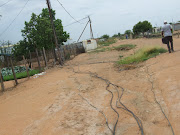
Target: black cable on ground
[
  {"x": 114, "y": 130},
  {"x": 107, "y": 123},
  {"x": 152, "y": 89},
  {"x": 118, "y": 100},
  {"x": 98, "y": 111},
  {"x": 125, "y": 108}
]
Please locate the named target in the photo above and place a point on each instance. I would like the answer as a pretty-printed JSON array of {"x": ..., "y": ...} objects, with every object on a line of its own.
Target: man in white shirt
[{"x": 167, "y": 34}]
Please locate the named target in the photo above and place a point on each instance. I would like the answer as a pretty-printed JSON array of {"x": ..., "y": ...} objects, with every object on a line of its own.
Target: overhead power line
[
  {"x": 14, "y": 19},
  {"x": 5, "y": 3},
  {"x": 67, "y": 11},
  {"x": 76, "y": 22}
]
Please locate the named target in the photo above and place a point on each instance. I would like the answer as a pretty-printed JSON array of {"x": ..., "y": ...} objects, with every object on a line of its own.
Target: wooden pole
[
  {"x": 39, "y": 65},
  {"x": 91, "y": 32},
  {"x": 30, "y": 58},
  {"x": 15, "y": 79},
  {"x": 54, "y": 32},
  {"x": 26, "y": 66},
  {"x": 2, "y": 81},
  {"x": 45, "y": 59}
]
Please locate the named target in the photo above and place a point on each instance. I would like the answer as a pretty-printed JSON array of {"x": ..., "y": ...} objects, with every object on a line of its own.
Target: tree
[
  {"x": 105, "y": 36},
  {"x": 127, "y": 32},
  {"x": 22, "y": 48},
  {"x": 116, "y": 35},
  {"x": 142, "y": 27},
  {"x": 38, "y": 31}
]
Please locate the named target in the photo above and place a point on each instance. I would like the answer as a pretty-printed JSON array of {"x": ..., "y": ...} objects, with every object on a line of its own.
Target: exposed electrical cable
[
  {"x": 5, "y": 3},
  {"x": 117, "y": 101},
  {"x": 14, "y": 18},
  {"x": 152, "y": 89},
  {"x": 67, "y": 11}
]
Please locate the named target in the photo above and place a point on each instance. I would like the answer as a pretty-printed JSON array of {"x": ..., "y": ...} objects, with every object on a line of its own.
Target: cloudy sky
[{"x": 108, "y": 16}]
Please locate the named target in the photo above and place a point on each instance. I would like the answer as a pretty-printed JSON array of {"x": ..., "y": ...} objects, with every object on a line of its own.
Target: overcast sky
[{"x": 108, "y": 16}]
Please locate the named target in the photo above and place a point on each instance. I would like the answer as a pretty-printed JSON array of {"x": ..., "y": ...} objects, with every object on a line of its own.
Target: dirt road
[{"x": 52, "y": 104}]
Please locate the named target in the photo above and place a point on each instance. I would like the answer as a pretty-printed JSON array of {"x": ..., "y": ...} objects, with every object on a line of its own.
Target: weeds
[
  {"x": 142, "y": 55},
  {"x": 107, "y": 42},
  {"x": 124, "y": 47}
]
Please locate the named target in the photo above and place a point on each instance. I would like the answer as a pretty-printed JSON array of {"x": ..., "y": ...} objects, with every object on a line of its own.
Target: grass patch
[
  {"x": 142, "y": 55},
  {"x": 107, "y": 42},
  {"x": 20, "y": 75},
  {"x": 101, "y": 50},
  {"x": 125, "y": 47}
]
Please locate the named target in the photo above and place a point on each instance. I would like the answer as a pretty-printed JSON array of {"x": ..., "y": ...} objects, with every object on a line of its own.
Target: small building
[
  {"x": 176, "y": 26},
  {"x": 6, "y": 49},
  {"x": 156, "y": 29},
  {"x": 89, "y": 45}
]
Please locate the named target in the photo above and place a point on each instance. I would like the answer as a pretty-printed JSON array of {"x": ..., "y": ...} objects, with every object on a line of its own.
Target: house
[
  {"x": 6, "y": 49},
  {"x": 176, "y": 26},
  {"x": 156, "y": 29},
  {"x": 89, "y": 44}
]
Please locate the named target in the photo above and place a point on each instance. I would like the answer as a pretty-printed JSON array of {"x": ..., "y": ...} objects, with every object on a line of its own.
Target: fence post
[
  {"x": 26, "y": 66},
  {"x": 2, "y": 81},
  {"x": 39, "y": 65},
  {"x": 15, "y": 79},
  {"x": 45, "y": 59},
  {"x": 30, "y": 57},
  {"x": 178, "y": 34}
]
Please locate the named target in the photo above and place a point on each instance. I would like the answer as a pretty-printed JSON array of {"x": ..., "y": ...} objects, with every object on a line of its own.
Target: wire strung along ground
[
  {"x": 118, "y": 101},
  {"x": 152, "y": 89}
]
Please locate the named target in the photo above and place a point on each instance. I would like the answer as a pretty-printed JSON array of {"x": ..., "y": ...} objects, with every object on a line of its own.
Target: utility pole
[
  {"x": 54, "y": 32},
  {"x": 91, "y": 32}
]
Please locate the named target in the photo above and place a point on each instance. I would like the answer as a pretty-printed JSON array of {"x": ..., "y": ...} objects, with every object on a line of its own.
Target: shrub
[{"x": 142, "y": 55}]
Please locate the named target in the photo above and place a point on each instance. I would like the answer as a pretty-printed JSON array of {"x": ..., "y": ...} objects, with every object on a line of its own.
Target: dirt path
[{"x": 51, "y": 104}]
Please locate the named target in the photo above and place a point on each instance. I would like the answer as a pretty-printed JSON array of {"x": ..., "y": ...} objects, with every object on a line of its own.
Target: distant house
[
  {"x": 6, "y": 49},
  {"x": 156, "y": 29},
  {"x": 176, "y": 26}
]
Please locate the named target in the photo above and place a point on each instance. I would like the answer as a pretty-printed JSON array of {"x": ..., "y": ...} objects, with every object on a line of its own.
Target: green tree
[
  {"x": 115, "y": 35},
  {"x": 142, "y": 27},
  {"x": 105, "y": 36},
  {"x": 128, "y": 32},
  {"x": 22, "y": 48},
  {"x": 38, "y": 31}
]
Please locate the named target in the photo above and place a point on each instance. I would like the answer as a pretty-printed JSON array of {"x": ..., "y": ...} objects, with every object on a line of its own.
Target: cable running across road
[
  {"x": 5, "y": 3},
  {"x": 14, "y": 18},
  {"x": 152, "y": 89},
  {"x": 67, "y": 11},
  {"x": 117, "y": 101}
]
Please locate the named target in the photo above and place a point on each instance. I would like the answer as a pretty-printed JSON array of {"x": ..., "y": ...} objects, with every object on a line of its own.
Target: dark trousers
[{"x": 169, "y": 39}]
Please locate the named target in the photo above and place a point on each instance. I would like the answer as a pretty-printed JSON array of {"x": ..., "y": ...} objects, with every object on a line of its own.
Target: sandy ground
[{"x": 51, "y": 104}]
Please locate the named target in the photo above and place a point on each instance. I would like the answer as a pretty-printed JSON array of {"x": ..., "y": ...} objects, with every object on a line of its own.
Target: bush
[
  {"x": 105, "y": 36},
  {"x": 142, "y": 55},
  {"x": 107, "y": 42},
  {"x": 124, "y": 47}
]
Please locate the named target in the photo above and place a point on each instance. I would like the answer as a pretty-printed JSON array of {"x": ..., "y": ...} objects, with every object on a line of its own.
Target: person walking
[{"x": 167, "y": 36}]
